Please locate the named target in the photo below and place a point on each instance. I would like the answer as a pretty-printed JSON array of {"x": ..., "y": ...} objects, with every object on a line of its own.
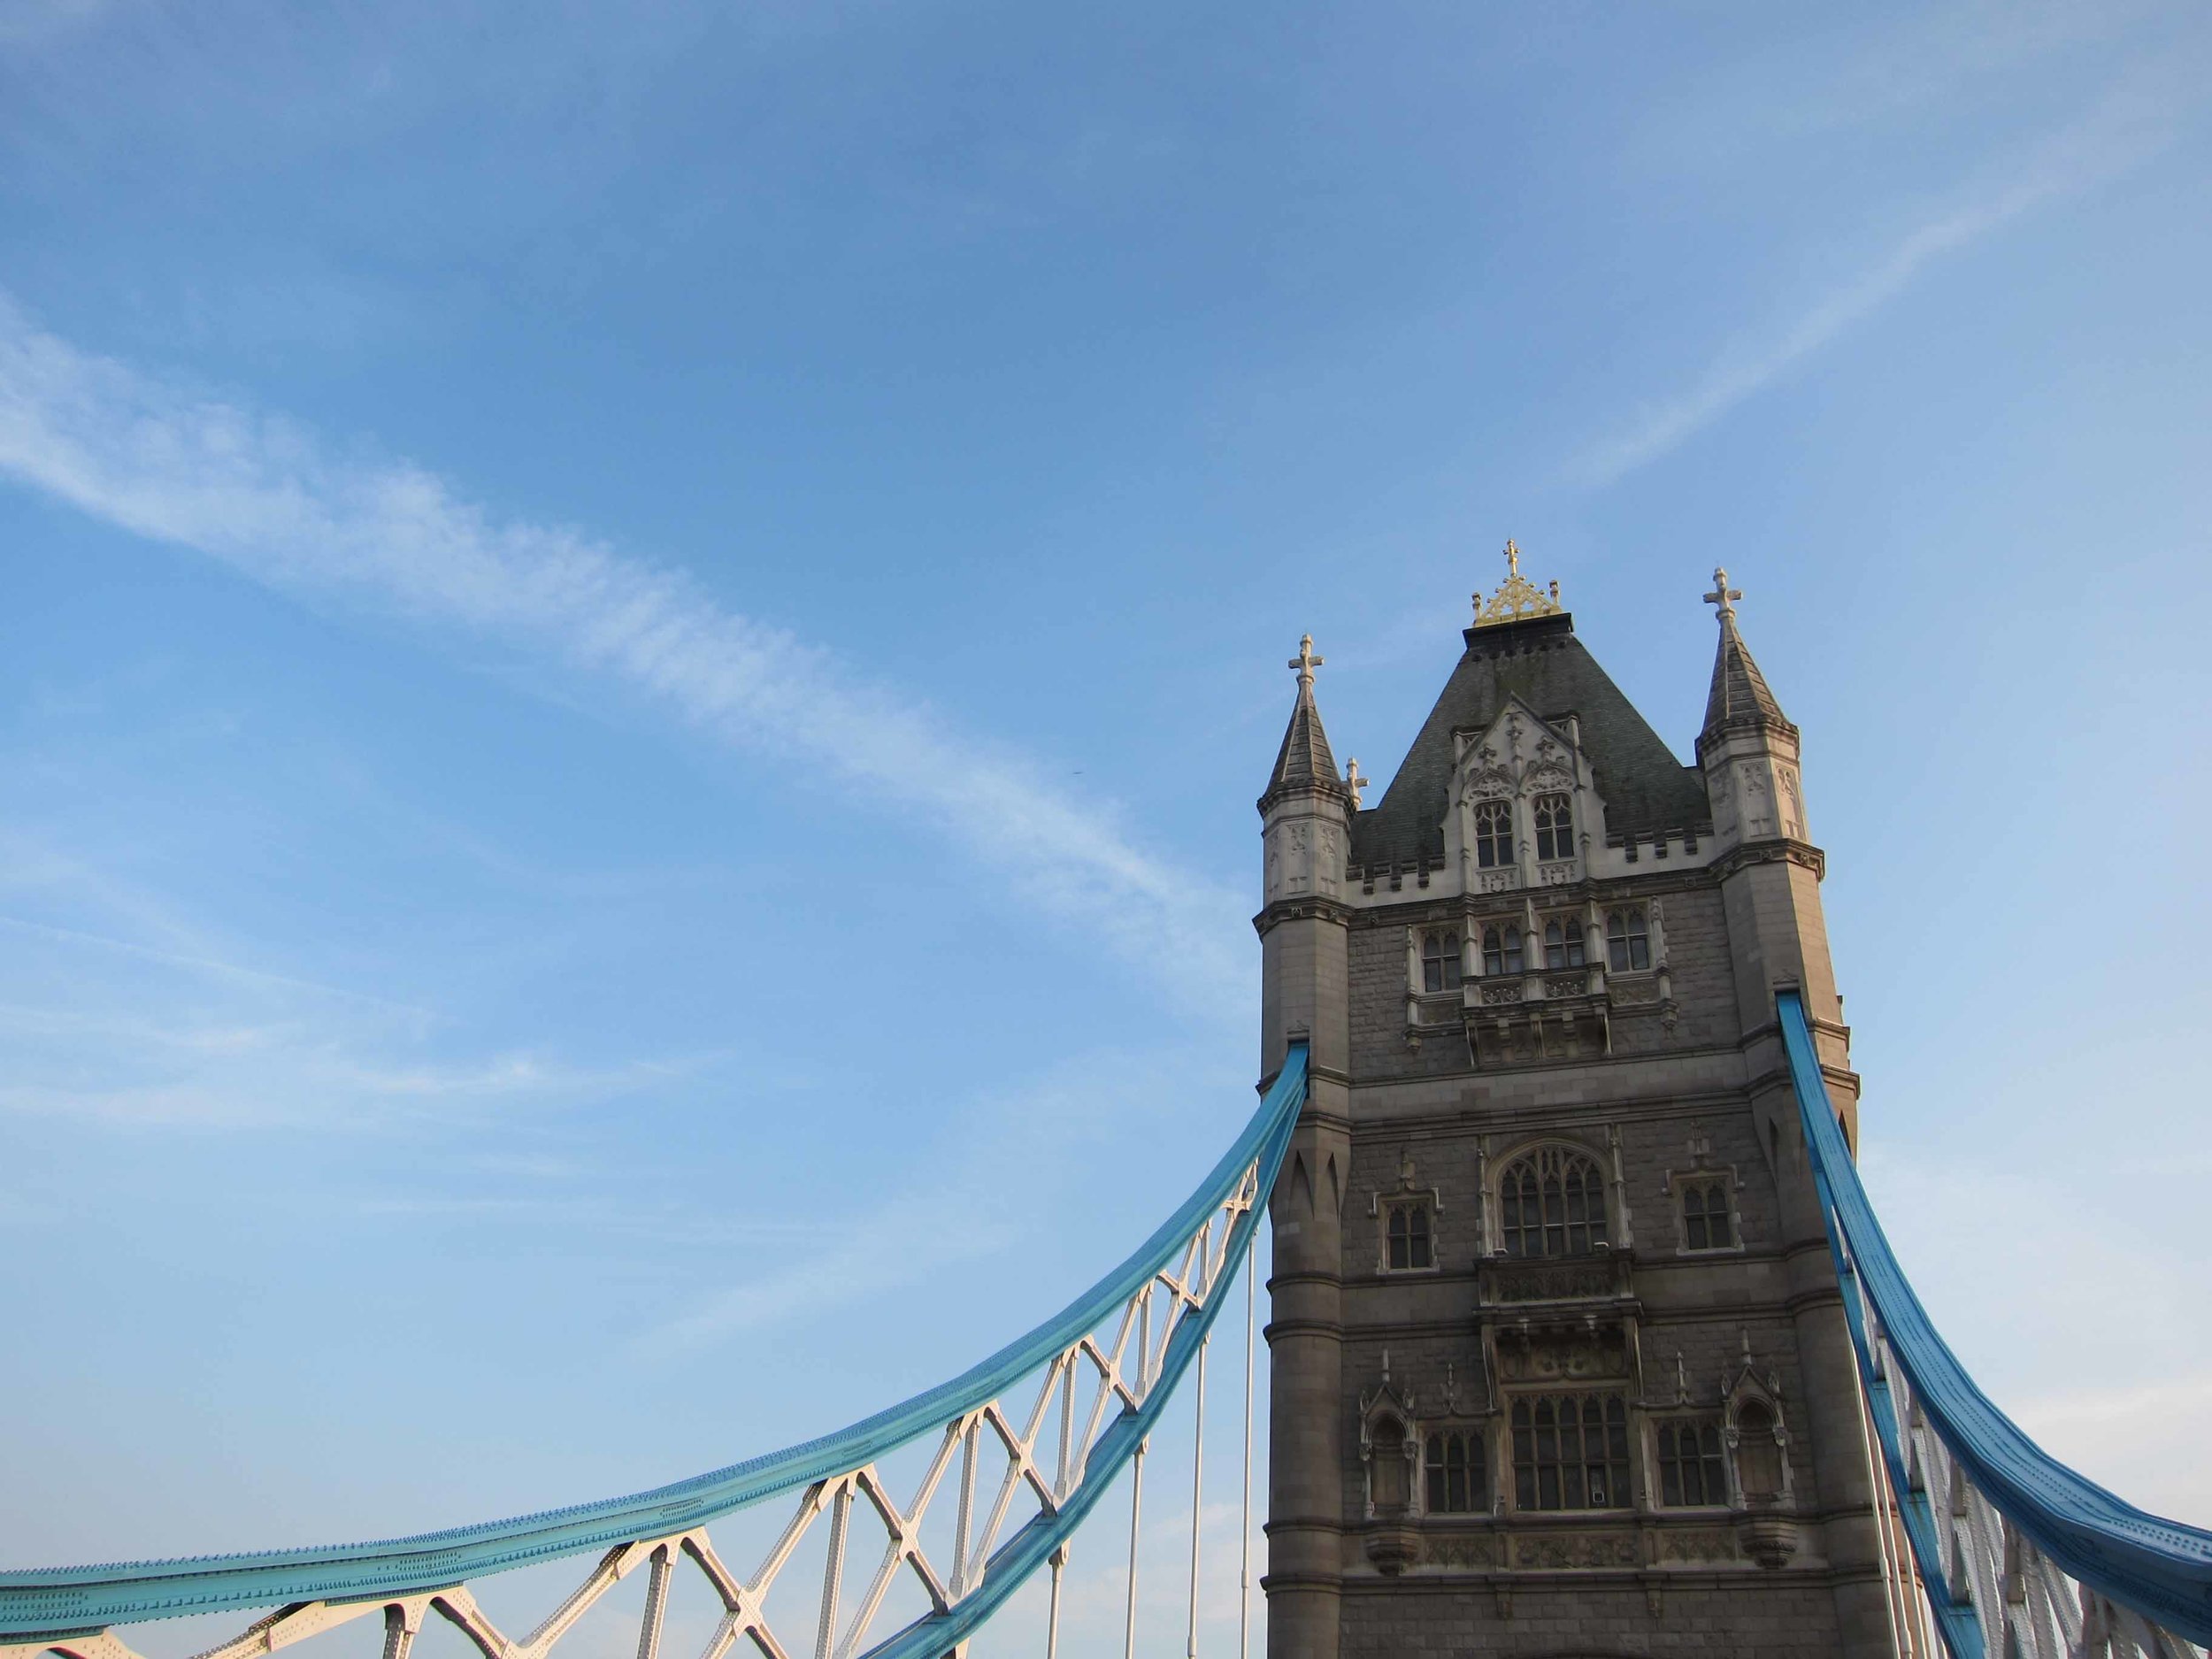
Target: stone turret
[
  {"x": 1770, "y": 878},
  {"x": 1769, "y": 867},
  {"x": 1747, "y": 749},
  {"x": 1304, "y": 927}
]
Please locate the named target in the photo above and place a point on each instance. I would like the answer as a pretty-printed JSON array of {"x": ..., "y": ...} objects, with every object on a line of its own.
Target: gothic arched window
[
  {"x": 1627, "y": 943},
  {"x": 1458, "y": 1481},
  {"x": 1552, "y": 1204},
  {"x": 1570, "y": 1452},
  {"x": 1493, "y": 834},
  {"x": 1408, "y": 1239},
  {"x": 1706, "y": 1223},
  {"x": 1690, "y": 1469},
  {"x": 1563, "y": 943},
  {"x": 1439, "y": 959},
  {"x": 1501, "y": 950},
  {"x": 1554, "y": 827}
]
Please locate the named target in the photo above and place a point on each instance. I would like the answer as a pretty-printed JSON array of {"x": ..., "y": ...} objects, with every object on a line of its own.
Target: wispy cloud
[
  {"x": 226, "y": 1075},
  {"x": 184, "y": 1033},
  {"x": 889, "y": 1248},
  {"x": 2137, "y": 119},
  {"x": 1003, "y": 1167},
  {"x": 273, "y": 500},
  {"x": 202, "y": 965}
]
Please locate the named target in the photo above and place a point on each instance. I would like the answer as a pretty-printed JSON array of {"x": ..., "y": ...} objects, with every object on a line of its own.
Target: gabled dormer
[
  {"x": 1632, "y": 799},
  {"x": 1524, "y": 808}
]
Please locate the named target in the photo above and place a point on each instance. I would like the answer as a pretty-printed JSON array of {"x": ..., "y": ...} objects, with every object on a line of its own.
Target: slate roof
[
  {"x": 1739, "y": 697},
  {"x": 1645, "y": 788},
  {"x": 1304, "y": 761}
]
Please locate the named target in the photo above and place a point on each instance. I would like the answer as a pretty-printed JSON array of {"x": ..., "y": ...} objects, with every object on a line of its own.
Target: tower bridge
[{"x": 1584, "y": 1338}]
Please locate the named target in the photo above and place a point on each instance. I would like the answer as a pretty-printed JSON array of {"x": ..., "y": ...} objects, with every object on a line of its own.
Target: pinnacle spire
[
  {"x": 1305, "y": 761},
  {"x": 1739, "y": 697}
]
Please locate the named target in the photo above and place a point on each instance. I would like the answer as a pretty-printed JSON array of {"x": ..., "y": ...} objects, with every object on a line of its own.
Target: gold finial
[
  {"x": 1305, "y": 662},
  {"x": 1517, "y": 598},
  {"x": 1723, "y": 596}
]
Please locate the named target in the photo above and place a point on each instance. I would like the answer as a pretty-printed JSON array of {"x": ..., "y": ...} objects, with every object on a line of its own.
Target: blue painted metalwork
[
  {"x": 937, "y": 1633},
  {"x": 52, "y": 1601},
  {"x": 2162, "y": 1569}
]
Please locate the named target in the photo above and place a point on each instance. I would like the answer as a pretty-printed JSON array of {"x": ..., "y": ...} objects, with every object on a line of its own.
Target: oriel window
[
  {"x": 1627, "y": 942},
  {"x": 1563, "y": 943},
  {"x": 1493, "y": 834},
  {"x": 1440, "y": 960},
  {"x": 1554, "y": 827}
]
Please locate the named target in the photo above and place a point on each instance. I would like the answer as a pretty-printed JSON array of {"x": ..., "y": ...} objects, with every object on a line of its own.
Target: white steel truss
[
  {"x": 2026, "y": 1606},
  {"x": 1081, "y": 1393}
]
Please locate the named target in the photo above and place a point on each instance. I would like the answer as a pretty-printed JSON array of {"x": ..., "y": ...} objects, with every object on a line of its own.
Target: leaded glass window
[
  {"x": 1458, "y": 1481},
  {"x": 1552, "y": 1204},
  {"x": 1493, "y": 834},
  {"x": 1706, "y": 1223},
  {"x": 1439, "y": 959},
  {"x": 1570, "y": 1452},
  {"x": 1501, "y": 948},
  {"x": 1554, "y": 827},
  {"x": 1690, "y": 1467},
  {"x": 1627, "y": 941},
  {"x": 1409, "y": 1242}
]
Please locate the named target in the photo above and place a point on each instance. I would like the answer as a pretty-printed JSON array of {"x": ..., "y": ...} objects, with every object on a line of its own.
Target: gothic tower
[{"x": 1559, "y": 1360}]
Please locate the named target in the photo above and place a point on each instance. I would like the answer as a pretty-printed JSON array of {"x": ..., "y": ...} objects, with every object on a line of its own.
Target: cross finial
[
  {"x": 1353, "y": 781},
  {"x": 1723, "y": 596},
  {"x": 1512, "y": 558},
  {"x": 1305, "y": 662}
]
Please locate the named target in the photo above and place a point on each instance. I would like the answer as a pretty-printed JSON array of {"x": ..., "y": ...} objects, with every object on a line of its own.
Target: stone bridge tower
[{"x": 1559, "y": 1360}]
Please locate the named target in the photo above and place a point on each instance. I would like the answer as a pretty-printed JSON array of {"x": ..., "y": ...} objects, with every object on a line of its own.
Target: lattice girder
[
  {"x": 1163, "y": 1300},
  {"x": 2007, "y": 1545}
]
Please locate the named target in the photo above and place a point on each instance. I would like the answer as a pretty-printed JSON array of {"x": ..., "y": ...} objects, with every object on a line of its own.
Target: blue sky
[{"x": 638, "y": 641}]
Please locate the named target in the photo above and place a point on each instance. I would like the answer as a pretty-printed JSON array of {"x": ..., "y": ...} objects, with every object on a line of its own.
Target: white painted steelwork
[
  {"x": 1089, "y": 1403},
  {"x": 2026, "y": 1606}
]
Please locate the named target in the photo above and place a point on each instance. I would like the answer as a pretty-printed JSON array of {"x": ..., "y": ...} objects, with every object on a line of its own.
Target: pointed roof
[
  {"x": 1539, "y": 660},
  {"x": 1739, "y": 699},
  {"x": 1305, "y": 761}
]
